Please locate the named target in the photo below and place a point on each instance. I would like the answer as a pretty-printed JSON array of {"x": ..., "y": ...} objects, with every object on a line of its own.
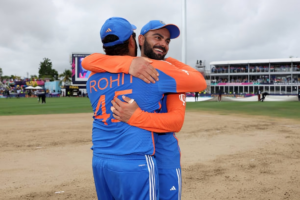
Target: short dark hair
[{"x": 119, "y": 49}]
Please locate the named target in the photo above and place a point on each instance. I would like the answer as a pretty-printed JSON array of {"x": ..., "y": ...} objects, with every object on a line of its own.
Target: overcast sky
[{"x": 216, "y": 29}]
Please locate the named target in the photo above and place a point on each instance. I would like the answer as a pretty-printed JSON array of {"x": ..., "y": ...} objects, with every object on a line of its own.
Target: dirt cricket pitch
[{"x": 223, "y": 157}]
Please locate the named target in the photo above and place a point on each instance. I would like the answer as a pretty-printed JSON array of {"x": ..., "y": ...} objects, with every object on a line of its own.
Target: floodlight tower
[{"x": 183, "y": 31}]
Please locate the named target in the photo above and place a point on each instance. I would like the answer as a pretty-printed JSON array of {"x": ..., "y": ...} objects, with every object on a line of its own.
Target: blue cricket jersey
[
  {"x": 118, "y": 138},
  {"x": 167, "y": 153}
]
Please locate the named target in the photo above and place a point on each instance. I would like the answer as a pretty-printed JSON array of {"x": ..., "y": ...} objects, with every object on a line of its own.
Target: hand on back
[
  {"x": 123, "y": 110},
  {"x": 140, "y": 67}
]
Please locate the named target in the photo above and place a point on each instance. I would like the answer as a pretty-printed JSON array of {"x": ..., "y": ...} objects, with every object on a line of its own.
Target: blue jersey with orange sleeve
[
  {"x": 167, "y": 148},
  {"x": 118, "y": 138}
]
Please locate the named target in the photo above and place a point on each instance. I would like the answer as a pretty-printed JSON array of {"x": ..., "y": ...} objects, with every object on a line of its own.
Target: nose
[{"x": 164, "y": 44}]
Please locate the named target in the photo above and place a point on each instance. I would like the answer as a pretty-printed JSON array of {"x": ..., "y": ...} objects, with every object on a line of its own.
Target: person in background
[
  {"x": 43, "y": 96},
  {"x": 196, "y": 96},
  {"x": 7, "y": 94},
  {"x": 39, "y": 97},
  {"x": 18, "y": 93},
  {"x": 220, "y": 94},
  {"x": 264, "y": 94},
  {"x": 258, "y": 94}
]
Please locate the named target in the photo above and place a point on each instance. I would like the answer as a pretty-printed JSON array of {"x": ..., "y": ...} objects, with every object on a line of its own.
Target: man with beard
[{"x": 119, "y": 147}]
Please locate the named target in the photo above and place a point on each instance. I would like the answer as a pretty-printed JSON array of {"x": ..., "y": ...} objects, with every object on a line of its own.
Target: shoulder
[{"x": 161, "y": 63}]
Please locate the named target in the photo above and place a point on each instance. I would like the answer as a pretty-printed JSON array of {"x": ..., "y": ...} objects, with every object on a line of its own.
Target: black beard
[{"x": 148, "y": 51}]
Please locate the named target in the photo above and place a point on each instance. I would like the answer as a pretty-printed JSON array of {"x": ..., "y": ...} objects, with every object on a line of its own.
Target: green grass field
[
  {"x": 271, "y": 109},
  {"x": 30, "y": 106}
]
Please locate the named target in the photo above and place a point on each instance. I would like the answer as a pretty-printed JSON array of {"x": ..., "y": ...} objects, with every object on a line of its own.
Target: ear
[
  {"x": 131, "y": 42},
  {"x": 141, "y": 40}
]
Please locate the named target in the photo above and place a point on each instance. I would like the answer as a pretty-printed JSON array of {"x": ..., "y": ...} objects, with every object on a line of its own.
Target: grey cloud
[{"x": 216, "y": 30}]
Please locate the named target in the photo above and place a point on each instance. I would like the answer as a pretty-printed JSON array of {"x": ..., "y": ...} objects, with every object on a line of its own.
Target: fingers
[
  {"x": 131, "y": 101},
  {"x": 148, "y": 60},
  {"x": 147, "y": 78},
  {"x": 141, "y": 68},
  {"x": 119, "y": 102},
  {"x": 116, "y": 117},
  {"x": 149, "y": 74},
  {"x": 115, "y": 108},
  {"x": 152, "y": 72},
  {"x": 115, "y": 111},
  {"x": 115, "y": 104},
  {"x": 126, "y": 99}
]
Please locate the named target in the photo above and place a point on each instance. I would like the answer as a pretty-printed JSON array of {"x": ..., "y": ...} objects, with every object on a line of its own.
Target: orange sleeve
[
  {"x": 171, "y": 121},
  {"x": 180, "y": 65},
  {"x": 185, "y": 67},
  {"x": 98, "y": 62},
  {"x": 187, "y": 78}
]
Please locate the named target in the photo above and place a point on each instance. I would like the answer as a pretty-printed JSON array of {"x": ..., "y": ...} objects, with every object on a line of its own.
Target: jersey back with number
[{"x": 118, "y": 138}]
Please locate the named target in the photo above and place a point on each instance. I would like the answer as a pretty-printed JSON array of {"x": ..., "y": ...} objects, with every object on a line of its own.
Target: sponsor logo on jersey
[
  {"x": 186, "y": 72},
  {"x": 173, "y": 188},
  {"x": 182, "y": 98}
]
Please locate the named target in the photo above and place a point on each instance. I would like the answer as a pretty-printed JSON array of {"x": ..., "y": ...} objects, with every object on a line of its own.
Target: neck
[{"x": 142, "y": 53}]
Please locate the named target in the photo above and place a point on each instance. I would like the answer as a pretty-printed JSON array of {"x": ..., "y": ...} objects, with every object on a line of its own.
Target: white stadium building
[{"x": 275, "y": 76}]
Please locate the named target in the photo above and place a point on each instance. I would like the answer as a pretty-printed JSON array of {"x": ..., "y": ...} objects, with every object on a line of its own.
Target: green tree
[
  {"x": 5, "y": 77},
  {"x": 1, "y": 73},
  {"x": 54, "y": 74},
  {"x": 46, "y": 71},
  {"x": 66, "y": 76}
]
